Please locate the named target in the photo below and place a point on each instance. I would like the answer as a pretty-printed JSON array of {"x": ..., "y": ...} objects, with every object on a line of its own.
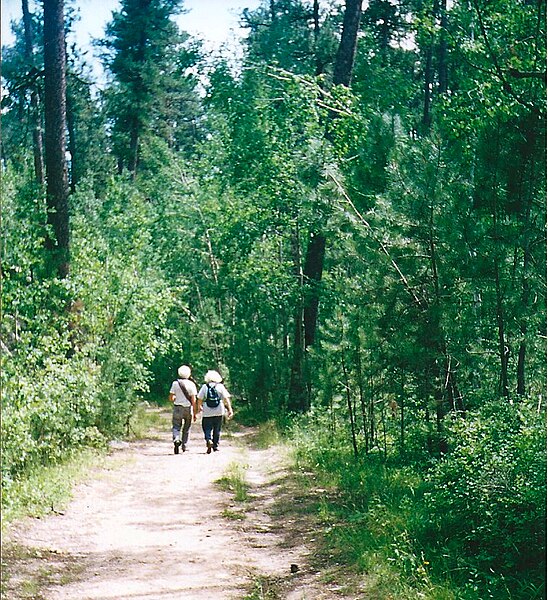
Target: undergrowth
[
  {"x": 48, "y": 488},
  {"x": 441, "y": 530}
]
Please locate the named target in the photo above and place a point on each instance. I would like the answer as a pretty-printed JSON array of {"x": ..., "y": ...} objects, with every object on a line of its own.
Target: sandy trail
[{"x": 152, "y": 525}]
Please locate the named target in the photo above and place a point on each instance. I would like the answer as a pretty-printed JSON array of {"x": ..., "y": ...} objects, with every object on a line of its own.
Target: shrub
[{"x": 487, "y": 497}]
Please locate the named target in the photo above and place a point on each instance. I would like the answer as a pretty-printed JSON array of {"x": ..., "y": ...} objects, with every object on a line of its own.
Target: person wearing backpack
[
  {"x": 214, "y": 400},
  {"x": 183, "y": 395}
]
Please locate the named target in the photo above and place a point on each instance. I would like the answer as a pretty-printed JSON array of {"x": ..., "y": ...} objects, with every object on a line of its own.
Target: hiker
[
  {"x": 183, "y": 395},
  {"x": 214, "y": 398}
]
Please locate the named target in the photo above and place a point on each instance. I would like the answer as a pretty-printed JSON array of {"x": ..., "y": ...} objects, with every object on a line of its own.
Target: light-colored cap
[
  {"x": 213, "y": 377},
  {"x": 183, "y": 371}
]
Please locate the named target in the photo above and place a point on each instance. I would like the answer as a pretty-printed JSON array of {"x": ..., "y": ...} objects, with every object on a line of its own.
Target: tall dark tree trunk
[
  {"x": 346, "y": 53},
  {"x": 315, "y": 254},
  {"x": 36, "y": 121},
  {"x": 55, "y": 122},
  {"x": 298, "y": 397},
  {"x": 71, "y": 128},
  {"x": 306, "y": 316}
]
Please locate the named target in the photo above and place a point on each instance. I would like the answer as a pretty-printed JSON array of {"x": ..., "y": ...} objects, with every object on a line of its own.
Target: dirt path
[{"x": 154, "y": 525}]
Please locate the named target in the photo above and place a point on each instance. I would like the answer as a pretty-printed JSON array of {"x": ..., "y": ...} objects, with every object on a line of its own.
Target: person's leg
[
  {"x": 177, "y": 421},
  {"x": 217, "y": 431},
  {"x": 207, "y": 426},
  {"x": 187, "y": 421}
]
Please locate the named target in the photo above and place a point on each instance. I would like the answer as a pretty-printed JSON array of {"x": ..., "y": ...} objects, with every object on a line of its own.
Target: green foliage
[
  {"x": 47, "y": 489},
  {"x": 76, "y": 351},
  {"x": 487, "y": 498},
  {"x": 430, "y": 191},
  {"x": 473, "y": 522}
]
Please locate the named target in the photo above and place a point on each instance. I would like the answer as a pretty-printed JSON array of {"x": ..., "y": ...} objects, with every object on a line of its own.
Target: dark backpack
[{"x": 213, "y": 397}]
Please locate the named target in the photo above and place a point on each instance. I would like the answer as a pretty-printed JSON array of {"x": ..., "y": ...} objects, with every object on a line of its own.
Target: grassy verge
[
  {"x": 379, "y": 524},
  {"x": 48, "y": 488},
  {"x": 364, "y": 514},
  {"x": 147, "y": 418}
]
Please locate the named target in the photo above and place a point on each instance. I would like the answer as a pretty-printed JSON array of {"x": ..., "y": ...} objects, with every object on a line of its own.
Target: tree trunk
[
  {"x": 298, "y": 396},
  {"x": 37, "y": 138},
  {"x": 313, "y": 270},
  {"x": 443, "y": 78},
  {"x": 349, "y": 404},
  {"x": 71, "y": 127},
  {"x": 503, "y": 350},
  {"x": 55, "y": 124},
  {"x": 315, "y": 254},
  {"x": 525, "y": 292},
  {"x": 344, "y": 61}
]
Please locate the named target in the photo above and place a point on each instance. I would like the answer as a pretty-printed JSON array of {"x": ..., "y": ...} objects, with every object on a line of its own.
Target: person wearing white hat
[
  {"x": 183, "y": 395},
  {"x": 214, "y": 399}
]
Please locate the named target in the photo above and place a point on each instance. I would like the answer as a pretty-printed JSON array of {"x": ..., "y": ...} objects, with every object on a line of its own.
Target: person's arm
[
  {"x": 193, "y": 402},
  {"x": 171, "y": 397},
  {"x": 228, "y": 405},
  {"x": 199, "y": 401}
]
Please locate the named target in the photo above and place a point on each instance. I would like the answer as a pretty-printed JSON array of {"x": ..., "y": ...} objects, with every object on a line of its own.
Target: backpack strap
[{"x": 183, "y": 389}]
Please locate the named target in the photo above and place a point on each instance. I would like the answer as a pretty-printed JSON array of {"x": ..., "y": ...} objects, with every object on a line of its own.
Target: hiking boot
[
  {"x": 215, "y": 449},
  {"x": 176, "y": 444},
  {"x": 183, "y": 447},
  {"x": 209, "y": 446}
]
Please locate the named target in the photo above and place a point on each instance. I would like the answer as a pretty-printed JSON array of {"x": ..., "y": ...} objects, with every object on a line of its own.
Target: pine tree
[{"x": 150, "y": 93}]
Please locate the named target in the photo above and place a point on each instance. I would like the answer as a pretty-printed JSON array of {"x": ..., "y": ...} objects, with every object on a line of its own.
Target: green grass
[
  {"x": 233, "y": 515},
  {"x": 268, "y": 434},
  {"x": 367, "y": 515},
  {"x": 148, "y": 417},
  {"x": 234, "y": 481},
  {"x": 263, "y": 588},
  {"x": 47, "y": 489}
]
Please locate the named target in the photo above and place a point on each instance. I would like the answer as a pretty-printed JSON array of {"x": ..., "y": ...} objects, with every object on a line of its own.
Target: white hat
[
  {"x": 213, "y": 377},
  {"x": 183, "y": 371}
]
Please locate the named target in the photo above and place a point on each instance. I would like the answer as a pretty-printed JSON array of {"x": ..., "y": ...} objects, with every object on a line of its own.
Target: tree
[
  {"x": 150, "y": 95},
  {"x": 292, "y": 35},
  {"x": 55, "y": 126},
  {"x": 316, "y": 243}
]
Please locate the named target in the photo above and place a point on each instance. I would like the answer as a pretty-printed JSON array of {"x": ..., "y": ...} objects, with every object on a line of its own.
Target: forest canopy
[{"x": 349, "y": 223}]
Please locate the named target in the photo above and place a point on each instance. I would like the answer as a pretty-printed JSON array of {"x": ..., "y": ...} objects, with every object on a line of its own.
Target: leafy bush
[
  {"x": 76, "y": 351},
  {"x": 486, "y": 499}
]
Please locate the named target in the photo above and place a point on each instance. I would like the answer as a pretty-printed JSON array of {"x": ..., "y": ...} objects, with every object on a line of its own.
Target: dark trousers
[
  {"x": 212, "y": 426},
  {"x": 182, "y": 417}
]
